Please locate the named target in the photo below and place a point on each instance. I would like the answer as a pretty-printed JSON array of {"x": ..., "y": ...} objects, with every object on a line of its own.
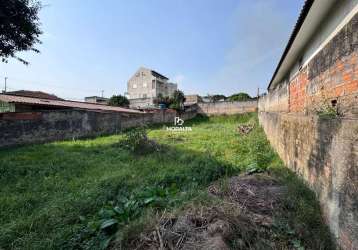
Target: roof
[
  {"x": 62, "y": 103},
  {"x": 35, "y": 94},
  {"x": 97, "y": 97},
  {"x": 155, "y": 73},
  {"x": 304, "y": 11}
]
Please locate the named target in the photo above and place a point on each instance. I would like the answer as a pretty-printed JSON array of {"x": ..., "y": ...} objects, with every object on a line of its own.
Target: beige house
[{"x": 145, "y": 85}]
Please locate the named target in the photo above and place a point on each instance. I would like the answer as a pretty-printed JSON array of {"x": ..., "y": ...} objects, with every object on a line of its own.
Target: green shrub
[{"x": 135, "y": 139}]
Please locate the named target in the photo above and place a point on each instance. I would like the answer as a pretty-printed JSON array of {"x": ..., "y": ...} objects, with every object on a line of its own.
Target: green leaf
[
  {"x": 108, "y": 224},
  {"x": 149, "y": 200},
  {"x": 118, "y": 210}
]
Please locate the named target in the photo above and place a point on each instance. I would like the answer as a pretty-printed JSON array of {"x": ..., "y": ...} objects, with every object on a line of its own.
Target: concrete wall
[
  {"x": 325, "y": 153},
  {"x": 276, "y": 101},
  {"x": 39, "y": 127},
  {"x": 218, "y": 108},
  {"x": 143, "y": 84},
  {"x": 141, "y": 102}
]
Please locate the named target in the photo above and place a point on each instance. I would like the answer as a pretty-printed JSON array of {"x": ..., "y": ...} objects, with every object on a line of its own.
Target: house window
[
  {"x": 134, "y": 85},
  {"x": 153, "y": 84}
]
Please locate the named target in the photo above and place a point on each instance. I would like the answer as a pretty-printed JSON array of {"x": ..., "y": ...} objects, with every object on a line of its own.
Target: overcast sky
[{"x": 206, "y": 46}]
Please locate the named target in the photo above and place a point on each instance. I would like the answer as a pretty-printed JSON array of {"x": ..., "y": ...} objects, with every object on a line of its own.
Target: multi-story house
[{"x": 147, "y": 84}]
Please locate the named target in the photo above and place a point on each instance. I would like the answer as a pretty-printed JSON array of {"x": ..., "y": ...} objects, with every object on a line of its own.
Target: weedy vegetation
[{"x": 101, "y": 193}]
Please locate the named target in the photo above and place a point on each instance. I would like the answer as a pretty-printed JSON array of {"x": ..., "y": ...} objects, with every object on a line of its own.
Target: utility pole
[
  {"x": 258, "y": 92},
  {"x": 5, "y": 84}
]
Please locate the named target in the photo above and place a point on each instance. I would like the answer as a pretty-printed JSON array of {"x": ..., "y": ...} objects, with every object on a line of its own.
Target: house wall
[
  {"x": 323, "y": 151},
  {"x": 220, "y": 108},
  {"x": 143, "y": 79},
  {"x": 140, "y": 102},
  {"x": 148, "y": 86}
]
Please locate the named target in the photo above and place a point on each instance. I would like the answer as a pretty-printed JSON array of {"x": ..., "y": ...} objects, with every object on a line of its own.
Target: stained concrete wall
[
  {"x": 228, "y": 108},
  {"x": 275, "y": 101},
  {"x": 325, "y": 153},
  {"x": 39, "y": 127}
]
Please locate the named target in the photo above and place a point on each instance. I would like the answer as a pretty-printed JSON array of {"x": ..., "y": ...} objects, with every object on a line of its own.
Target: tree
[
  {"x": 19, "y": 27},
  {"x": 179, "y": 97},
  {"x": 178, "y": 101},
  {"x": 160, "y": 99},
  {"x": 240, "y": 97},
  {"x": 119, "y": 101}
]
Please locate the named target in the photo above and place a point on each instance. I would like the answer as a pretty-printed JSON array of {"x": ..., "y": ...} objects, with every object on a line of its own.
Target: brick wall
[
  {"x": 331, "y": 76},
  {"x": 323, "y": 151}
]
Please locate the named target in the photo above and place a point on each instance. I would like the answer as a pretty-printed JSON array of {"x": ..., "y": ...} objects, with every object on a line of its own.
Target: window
[
  {"x": 153, "y": 84},
  {"x": 134, "y": 85},
  {"x": 144, "y": 85}
]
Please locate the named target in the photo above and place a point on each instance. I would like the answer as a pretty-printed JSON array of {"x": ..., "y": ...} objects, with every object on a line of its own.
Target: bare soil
[{"x": 244, "y": 220}]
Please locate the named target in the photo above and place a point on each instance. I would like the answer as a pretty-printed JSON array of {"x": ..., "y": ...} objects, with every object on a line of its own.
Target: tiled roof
[
  {"x": 63, "y": 103},
  {"x": 35, "y": 94}
]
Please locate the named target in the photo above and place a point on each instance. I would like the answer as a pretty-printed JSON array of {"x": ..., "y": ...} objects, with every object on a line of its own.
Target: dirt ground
[{"x": 244, "y": 219}]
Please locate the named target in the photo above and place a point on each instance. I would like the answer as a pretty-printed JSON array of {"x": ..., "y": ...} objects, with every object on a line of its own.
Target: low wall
[
  {"x": 39, "y": 127},
  {"x": 325, "y": 153},
  {"x": 140, "y": 102},
  {"x": 228, "y": 108},
  {"x": 276, "y": 100}
]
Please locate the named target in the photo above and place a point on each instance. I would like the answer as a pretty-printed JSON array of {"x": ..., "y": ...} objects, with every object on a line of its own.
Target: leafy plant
[
  {"x": 135, "y": 139},
  {"x": 20, "y": 27},
  {"x": 327, "y": 111},
  {"x": 240, "y": 97},
  {"x": 119, "y": 101}
]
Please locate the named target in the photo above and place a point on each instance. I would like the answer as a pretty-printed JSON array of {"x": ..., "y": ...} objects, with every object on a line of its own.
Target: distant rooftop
[
  {"x": 62, "y": 103},
  {"x": 155, "y": 73},
  {"x": 35, "y": 94}
]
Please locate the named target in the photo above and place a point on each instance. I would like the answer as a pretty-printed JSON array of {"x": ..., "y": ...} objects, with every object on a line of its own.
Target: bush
[
  {"x": 136, "y": 138},
  {"x": 119, "y": 101}
]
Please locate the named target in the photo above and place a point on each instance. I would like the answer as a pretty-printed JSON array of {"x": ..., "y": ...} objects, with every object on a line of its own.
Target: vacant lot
[{"x": 90, "y": 194}]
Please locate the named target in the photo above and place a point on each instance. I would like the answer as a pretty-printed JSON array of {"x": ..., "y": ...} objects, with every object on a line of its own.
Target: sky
[{"x": 206, "y": 46}]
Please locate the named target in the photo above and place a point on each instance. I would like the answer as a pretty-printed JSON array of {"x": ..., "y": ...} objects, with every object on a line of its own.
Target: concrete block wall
[
  {"x": 228, "y": 108},
  {"x": 30, "y": 128}
]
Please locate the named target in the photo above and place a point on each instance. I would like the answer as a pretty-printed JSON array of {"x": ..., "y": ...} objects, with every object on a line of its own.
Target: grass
[{"x": 59, "y": 195}]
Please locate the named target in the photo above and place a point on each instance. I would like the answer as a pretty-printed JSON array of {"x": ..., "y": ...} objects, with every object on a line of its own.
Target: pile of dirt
[
  {"x": 242, "y": 221},
  {"x": 245, "y": 129}
]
